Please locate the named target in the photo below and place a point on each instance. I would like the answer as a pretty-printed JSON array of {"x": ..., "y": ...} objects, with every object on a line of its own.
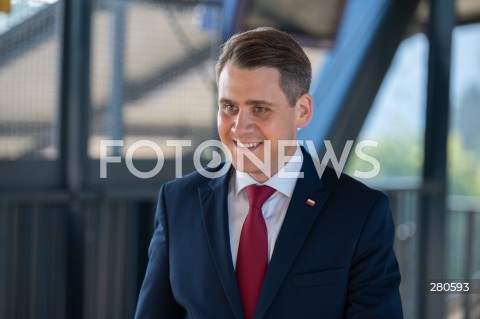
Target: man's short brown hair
[{"x": 269, "y": 47}]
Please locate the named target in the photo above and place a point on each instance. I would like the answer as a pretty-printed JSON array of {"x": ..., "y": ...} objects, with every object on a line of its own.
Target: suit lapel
[
  {"x": 213, "y": 200},
  {"x": 296, "y": 226}
]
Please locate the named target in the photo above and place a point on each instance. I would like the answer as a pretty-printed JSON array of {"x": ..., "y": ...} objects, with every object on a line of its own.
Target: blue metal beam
[
  {"x": 432, "y": 217},
  {"x": 230, "y": 18},
  {"x": 345, "y": 89}
]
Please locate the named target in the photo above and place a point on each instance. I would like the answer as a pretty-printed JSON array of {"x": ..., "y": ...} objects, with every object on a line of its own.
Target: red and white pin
[{"x": 310, "y": 202}]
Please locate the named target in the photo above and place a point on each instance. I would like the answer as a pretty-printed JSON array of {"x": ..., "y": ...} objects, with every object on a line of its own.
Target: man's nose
[{"x": 243, "y": 123}]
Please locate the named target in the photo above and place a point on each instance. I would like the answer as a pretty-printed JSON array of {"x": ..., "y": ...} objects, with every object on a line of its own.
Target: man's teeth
[{"x": 246, "y": 145}]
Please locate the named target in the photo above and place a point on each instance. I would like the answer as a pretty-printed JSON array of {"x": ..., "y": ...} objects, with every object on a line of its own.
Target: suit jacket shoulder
[{"x": 350, "y": 188}]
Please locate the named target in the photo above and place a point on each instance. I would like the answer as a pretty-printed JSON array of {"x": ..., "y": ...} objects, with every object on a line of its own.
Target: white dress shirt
[{"x": 275, "y": 207}]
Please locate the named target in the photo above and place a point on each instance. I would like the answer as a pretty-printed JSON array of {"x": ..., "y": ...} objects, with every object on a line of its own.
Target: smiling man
[
  {"x": 253, "y": 243},
  {"x": 253, "y": 109}
]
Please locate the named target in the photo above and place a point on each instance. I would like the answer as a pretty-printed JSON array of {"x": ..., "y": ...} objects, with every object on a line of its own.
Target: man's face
[{"x": 253, "y": 109}]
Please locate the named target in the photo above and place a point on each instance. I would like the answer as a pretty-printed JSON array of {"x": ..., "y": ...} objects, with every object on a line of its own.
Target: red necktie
[{"x": 252, "y": 257}]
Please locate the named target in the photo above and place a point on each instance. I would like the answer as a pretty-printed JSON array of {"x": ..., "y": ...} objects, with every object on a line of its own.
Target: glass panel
[
  {"x": 464, "y": 154},
  {"x": 464, "y": 142},
  {"x": 396, "y": 120}
]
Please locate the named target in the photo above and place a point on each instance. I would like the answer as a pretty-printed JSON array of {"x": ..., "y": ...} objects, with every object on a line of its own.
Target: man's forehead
[{"x": 232, "y": 69}]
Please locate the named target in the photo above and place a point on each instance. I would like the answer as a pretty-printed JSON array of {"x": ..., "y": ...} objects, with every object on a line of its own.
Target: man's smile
[{"x": 251, "y": 146}]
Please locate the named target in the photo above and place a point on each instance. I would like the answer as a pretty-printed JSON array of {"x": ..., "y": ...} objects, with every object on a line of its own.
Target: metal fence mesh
[
  {"x": 30, "y": 42},
  {"x": 152, "y": 74}
]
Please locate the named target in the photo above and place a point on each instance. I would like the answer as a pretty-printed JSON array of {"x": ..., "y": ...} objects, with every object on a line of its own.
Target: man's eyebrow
[
  {"x": 259, "y": 102},
  {"x": 224, "y": 100}
]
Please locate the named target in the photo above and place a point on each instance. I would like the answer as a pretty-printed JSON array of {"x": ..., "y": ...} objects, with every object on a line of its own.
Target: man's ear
[{"x": 304, "y": 110}]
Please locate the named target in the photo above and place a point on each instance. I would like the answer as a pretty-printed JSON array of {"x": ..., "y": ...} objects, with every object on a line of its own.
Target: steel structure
[{"x": 75, "y": 245}]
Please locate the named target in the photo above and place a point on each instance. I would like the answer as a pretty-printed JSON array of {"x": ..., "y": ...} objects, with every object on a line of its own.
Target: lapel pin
[{"x": 310, "y": 202}]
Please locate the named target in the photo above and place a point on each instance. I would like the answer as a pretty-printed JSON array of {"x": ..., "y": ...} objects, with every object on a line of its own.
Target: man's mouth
[{"x": 247, "y": 145}]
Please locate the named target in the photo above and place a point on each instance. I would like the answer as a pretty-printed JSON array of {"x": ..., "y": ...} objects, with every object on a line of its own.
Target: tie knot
[{"x": 258, "y": 194}]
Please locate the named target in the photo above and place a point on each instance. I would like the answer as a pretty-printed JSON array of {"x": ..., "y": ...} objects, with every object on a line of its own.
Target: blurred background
[{"x": 73, "y": 244}]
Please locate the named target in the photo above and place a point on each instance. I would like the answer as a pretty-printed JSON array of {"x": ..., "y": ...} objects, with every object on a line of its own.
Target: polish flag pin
[{"x": 310, "y": 202}]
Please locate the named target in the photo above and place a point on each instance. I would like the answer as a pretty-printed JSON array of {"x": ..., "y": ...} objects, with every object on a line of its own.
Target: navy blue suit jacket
[{"x": 331, "y": 260}]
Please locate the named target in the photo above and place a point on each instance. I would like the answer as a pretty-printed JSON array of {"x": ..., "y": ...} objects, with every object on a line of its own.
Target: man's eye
[
  {"x": 261, "y": 109},
  {"x": 230, "y": 108}
]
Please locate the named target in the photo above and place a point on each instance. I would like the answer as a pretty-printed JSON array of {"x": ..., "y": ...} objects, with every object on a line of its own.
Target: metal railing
[{"x": 462, "y": 251}]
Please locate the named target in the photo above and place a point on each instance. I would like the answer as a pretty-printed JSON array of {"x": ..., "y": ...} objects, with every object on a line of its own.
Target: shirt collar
[{"x": 283, "y": 181}]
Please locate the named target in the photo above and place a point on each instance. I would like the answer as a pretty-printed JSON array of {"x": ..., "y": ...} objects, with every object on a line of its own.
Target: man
[{"x": 312, "y": 247}]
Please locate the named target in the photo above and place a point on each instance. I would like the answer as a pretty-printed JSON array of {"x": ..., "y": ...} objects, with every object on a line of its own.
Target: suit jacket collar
[
  {"x": 298, "y": 221},
  {"x": 213, "y": 200}
]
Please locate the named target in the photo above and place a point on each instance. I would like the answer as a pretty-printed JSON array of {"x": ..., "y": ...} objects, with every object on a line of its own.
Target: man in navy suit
[{"x": 315, "y": 245}]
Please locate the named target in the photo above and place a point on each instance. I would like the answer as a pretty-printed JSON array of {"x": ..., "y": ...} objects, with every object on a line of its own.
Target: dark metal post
[
  {"x": 74, "y": 110},
  {"x": 75, "y": 101},
  {"x": 433, "y": 205}
]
